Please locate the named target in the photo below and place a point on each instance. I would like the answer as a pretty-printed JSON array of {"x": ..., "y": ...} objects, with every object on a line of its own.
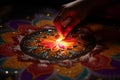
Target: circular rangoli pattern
[{"x": 42, "y": 45}]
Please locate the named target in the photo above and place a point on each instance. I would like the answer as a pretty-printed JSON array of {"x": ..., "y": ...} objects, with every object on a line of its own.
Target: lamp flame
[{"x": 57, "y": 44}]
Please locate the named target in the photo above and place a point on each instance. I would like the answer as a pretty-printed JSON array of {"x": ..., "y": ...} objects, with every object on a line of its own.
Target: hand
[{"x": 70, "y": 15}]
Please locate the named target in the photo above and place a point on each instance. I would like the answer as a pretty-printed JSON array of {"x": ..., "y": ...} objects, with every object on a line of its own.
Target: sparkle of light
[{"x": 6, "y": 72}]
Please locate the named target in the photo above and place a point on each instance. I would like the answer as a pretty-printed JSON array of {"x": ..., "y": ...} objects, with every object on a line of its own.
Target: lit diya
[{"x": 46, "y": 45}]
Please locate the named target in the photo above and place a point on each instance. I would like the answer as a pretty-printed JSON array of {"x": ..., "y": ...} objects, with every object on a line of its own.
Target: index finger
[{"x": 57, "y": 22}]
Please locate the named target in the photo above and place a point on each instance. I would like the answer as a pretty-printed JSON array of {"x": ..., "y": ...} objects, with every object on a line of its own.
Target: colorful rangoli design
[{"x": 16, "y": 65}]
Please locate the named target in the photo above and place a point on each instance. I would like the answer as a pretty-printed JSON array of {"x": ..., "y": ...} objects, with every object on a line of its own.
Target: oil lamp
[{"x": 47, "y": 46}]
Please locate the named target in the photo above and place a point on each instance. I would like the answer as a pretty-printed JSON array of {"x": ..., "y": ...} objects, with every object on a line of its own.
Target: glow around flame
[{"x": 57, "y": 44}]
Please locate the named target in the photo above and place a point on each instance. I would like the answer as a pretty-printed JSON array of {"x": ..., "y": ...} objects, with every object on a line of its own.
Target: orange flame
[{"x": 57, "y": 44}]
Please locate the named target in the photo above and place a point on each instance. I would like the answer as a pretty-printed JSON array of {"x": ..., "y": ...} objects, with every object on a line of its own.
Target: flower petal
[
  {"x": 38, "y": 69},
  {"x": 7, "y": 37},
  {"x": 26, "y": 28},
  {"x": 111, "y": 72},
  {"x": 14, "y": 63},
  {"x": 7, "y": 49},
  {"x": 14, "y": 23},
  {"x": 100, "y": 62},
  {"x": 71, "y": 72}
]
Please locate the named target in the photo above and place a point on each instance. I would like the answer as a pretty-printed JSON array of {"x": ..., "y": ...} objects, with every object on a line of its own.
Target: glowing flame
[
  {"x": 59, "y": 40},
  {"x": 57, "y": 44}
]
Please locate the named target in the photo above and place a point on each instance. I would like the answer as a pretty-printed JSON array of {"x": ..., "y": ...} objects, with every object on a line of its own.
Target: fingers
[
  {"x": 63, "y": 17},
  {"x": 62, "y": 14},
  {"x": 63, "y": 21},
  {"x": 66, "y": 21},
  {"x": 70, "y": 26},
  {"x": 59, "y": 28},
  {"x": 60, "y": 21},
  {"x": 57, "y": 22}
]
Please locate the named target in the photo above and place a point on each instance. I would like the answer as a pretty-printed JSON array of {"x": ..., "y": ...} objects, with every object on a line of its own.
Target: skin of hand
[{"x": 70, "y": 15}]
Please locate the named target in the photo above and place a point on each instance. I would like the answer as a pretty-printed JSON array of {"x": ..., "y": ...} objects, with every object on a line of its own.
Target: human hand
[{"x": 70, "y": 15}]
